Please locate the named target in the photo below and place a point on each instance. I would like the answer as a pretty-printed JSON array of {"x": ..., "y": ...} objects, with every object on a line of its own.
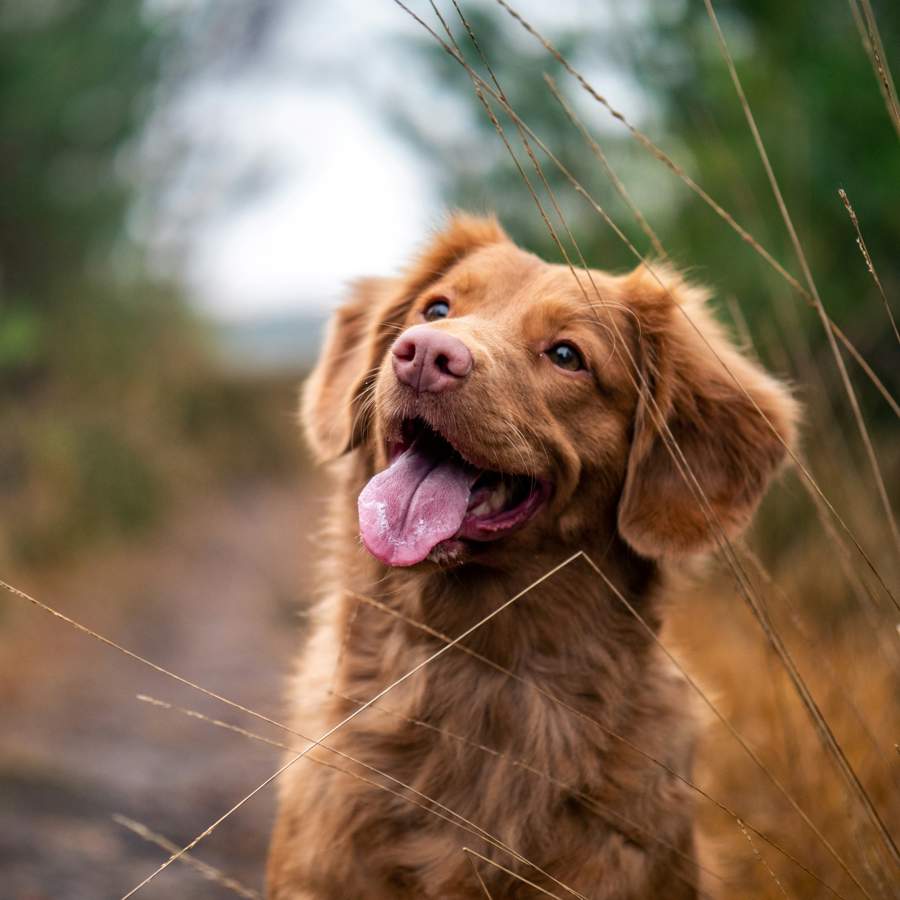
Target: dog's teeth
[
  {"x": 491, "y": 503},
  {"x": 497, "y": 500}
]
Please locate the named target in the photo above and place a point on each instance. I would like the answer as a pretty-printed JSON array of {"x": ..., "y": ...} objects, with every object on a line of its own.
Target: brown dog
[{"x": 490, "y": 415}]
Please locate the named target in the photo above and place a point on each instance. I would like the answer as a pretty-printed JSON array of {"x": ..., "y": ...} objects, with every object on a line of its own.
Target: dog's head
[{"x": 503, "y": 403}]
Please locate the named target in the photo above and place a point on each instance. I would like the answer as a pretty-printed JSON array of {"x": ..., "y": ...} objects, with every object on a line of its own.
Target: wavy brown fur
[{"x": 603, "y": 820}]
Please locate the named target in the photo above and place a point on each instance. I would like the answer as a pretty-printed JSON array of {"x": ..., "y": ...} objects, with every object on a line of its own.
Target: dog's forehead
[
  {"x": 493, "y": 273},
  {"x": 505, "y": 281},
  {"x": 504, "y": 275}
]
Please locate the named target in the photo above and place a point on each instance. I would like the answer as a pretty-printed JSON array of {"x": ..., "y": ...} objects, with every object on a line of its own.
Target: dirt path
[{"x": 217, "y": 597}]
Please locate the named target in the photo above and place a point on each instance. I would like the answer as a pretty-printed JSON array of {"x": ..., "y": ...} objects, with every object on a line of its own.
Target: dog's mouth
[{"x": 430, "y": 500}]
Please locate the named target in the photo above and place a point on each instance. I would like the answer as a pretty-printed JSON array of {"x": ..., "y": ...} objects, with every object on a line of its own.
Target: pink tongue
[{"x": 413, "y": 505}]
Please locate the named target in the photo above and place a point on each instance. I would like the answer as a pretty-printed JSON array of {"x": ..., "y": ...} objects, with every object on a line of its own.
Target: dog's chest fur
[{"x": 525, "y": 733}]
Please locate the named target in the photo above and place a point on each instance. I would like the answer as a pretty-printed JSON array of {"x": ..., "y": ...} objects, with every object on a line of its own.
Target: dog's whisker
[
  {"x": 518, "y": 445},
  {"x": 365, "y": 405}
]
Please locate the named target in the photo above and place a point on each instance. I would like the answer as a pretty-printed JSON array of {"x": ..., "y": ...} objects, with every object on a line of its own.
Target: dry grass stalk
[
  {"x": 487, "y": 893},
  {"x": 497, "y": 865},
  {"x": 670, "y": 164},
  {"x": 741, "y": 328},
  {"x": 275, "y": 775},
  {"x": 872, "y": 44},
  {"x": 868, "y": 260},
  {"x": 762, "y": 860},
  {"x": 210, "y": 873},
  {"x": 812, "y": 644},
  {"x": 617, "y": 183},
  {"x": 136, "y": 657},
  {"x": 744, "y": 585},
  {"x": 850, "y": 775},
  {"x": 673, "y": 449},
  {"x": 427, "y": 803},
  {"x": 823, "y": 316}
]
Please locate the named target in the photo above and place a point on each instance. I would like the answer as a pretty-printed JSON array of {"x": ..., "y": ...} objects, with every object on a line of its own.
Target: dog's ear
[
  {"x": 334, "y": 406},
  {"x": 331, "y": 396},
  {"x": 728, "y": 446}
]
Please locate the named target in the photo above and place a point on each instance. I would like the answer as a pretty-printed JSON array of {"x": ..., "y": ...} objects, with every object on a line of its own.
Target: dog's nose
[{"x": 430, "y": 360}]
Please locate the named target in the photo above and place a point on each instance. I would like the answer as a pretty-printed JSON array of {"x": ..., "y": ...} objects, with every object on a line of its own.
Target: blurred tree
[
  {"x": 472, "y": 164},
  {"x": 80, "y": 339},
  {"x": 825, "y": 126},
  {"x": 74, "y": 79},
  {"x": 107, "y": 393},
  {"x": 812, "y": 90}
]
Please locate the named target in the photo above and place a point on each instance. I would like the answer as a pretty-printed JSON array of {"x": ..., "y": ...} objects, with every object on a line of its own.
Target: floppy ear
[
  {"x": 330, "y": 404},
  {"x": 729, "y": 447},
  {"x": 334, "y": 414}
]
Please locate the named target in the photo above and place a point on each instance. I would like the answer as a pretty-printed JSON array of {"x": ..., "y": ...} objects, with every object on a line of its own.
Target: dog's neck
[
  {"x": 570, "y": 614},
  {"x": 568, "y": 663},
  {"x": 545, "y": 614}
]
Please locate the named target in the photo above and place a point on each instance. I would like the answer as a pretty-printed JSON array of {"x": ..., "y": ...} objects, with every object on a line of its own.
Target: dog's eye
[
  {"x": 565, "y": 356},
  {"x": 437, "y": 309}
]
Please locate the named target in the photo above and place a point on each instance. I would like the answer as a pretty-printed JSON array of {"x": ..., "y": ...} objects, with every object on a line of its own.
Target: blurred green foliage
[
  {"x": 74, "y": 88},
  {"x": 75, "y": 339},
  {"x": 110, "y": 404},
  {"x": 825, "y": 126},
  {"x": 817, "y": 103}
]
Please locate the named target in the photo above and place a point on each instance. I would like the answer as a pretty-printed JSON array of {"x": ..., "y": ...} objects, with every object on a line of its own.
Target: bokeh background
[{"x": 185, "y": 187}]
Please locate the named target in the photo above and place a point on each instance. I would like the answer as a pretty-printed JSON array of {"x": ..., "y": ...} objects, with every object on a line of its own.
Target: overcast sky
[{"x": 337, "y": 194}]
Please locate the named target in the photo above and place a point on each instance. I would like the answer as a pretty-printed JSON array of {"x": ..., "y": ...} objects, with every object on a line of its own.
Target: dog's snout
[{"x": 430, "y": 360}]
